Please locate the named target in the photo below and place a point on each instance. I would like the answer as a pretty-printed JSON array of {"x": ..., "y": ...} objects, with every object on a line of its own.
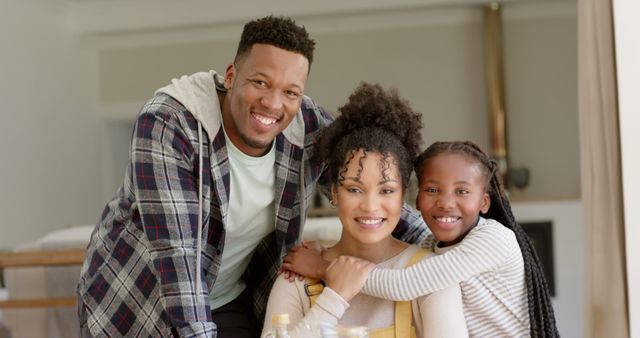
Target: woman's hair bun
[{"x": 371, "y": 105}]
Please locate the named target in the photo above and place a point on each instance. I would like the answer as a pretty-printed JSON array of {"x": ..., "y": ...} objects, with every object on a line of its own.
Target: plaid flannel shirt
[{"x": 138, "y": 277}]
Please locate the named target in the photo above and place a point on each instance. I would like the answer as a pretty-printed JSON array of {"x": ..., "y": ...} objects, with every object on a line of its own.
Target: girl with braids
[
  {"x": 479, "y": 246},
  {"x": 368, "y": 151}
]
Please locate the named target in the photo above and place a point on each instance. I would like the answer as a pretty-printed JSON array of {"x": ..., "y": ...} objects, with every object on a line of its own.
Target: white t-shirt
[{"x": 251, "y": 217}]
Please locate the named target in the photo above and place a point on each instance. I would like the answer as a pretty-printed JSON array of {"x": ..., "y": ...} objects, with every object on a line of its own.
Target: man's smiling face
[{"x": 264, "y": 92}]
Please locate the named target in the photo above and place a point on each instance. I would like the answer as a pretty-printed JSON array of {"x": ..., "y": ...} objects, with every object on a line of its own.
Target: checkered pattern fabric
[{"x": 138, "y": 278}]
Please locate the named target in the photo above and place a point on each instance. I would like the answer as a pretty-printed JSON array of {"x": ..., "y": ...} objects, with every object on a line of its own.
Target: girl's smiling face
[
  {"x": 452, "y": 194},
  {"x": 369, "y": 198}
]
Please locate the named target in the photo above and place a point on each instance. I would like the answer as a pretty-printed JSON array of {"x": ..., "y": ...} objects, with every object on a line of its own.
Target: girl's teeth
[{"x": 447, "y": 219}]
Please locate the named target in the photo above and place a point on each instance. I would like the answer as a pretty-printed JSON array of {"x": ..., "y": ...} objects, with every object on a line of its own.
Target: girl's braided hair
[
  {"x": 541, "y": 315},
  {"x": 374, "y": 120}
]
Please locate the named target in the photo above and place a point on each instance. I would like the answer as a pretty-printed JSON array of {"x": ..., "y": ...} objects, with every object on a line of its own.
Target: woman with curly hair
[
  {"x": 369, "y": 151},
  {"x": 478, "y": 244}
]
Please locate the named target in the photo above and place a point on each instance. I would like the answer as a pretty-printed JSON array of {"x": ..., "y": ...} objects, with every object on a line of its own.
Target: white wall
[
  {"x": 568, "y": 252},
  {"x": 542, "y": 102},
  {"x": 50, "y": 176},
  {"x": 434, "y": 58},
  {"x": 627, "y": 54}
]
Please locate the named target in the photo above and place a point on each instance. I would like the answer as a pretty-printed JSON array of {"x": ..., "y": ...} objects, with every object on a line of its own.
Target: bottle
[
  {"x": 353, "y": 332},
  {"x": 328, "y": 330},
  {"x": 279, "y": 324}
]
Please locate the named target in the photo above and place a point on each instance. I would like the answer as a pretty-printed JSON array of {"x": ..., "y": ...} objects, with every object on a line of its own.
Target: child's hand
[
  {"x": 290, "y": 275},
  {"x": 305, "y": 260},
  {"x": 346, "y": 275}
]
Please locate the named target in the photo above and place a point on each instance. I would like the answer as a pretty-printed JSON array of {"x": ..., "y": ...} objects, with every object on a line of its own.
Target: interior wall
[
  {"x": 542, "y": 103},
  {"x": 438, "y": 67},
  {"x": 626, "y": 26},
  {"x": 448, "y": 89},
  {"x": 51, "y": 162}
]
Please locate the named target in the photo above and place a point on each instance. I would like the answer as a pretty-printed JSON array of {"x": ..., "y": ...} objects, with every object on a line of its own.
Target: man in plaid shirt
[{"x": 219, "y": 163}]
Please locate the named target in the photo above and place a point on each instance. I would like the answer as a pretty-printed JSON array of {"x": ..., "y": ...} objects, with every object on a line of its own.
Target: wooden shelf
[
  {"x": 40, "y": 258},
  {"x": 38, "y": 303}
]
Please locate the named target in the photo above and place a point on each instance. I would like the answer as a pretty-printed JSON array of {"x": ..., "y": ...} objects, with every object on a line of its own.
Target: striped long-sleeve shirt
[{"x": 489, "y": 268}]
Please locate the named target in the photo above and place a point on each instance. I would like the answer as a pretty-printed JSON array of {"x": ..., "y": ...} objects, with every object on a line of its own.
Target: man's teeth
[
  {"x": 370, "y": 221},
  {"x": 264, "y": 120},
  {"x": 447, "y": 219}
]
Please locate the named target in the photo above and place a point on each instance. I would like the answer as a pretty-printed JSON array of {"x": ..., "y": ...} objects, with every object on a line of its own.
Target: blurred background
[{"x": 75, "y": 73}]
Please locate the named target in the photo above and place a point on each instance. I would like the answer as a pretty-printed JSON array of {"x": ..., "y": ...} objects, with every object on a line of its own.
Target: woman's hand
[
  {"x": 304, "y": 260},
  {"x": 346, "y": 275}
]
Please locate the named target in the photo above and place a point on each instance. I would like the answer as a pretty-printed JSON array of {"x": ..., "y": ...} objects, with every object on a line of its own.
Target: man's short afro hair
[{"x": 280, "y": 32}]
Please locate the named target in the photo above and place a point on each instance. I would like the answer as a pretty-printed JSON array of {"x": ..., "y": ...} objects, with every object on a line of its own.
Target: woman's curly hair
[{"x": 374, "y": 120}]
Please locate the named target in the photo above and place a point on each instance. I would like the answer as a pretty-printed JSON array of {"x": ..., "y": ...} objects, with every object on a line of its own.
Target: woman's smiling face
[{"x": 369, "y": 198}]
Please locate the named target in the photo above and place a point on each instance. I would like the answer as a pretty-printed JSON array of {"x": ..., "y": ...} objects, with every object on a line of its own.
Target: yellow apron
[{"x": 402, "y": 327}]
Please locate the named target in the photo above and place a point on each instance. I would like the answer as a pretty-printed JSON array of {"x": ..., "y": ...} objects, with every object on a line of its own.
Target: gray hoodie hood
[{"x": 198, "y": 93}]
